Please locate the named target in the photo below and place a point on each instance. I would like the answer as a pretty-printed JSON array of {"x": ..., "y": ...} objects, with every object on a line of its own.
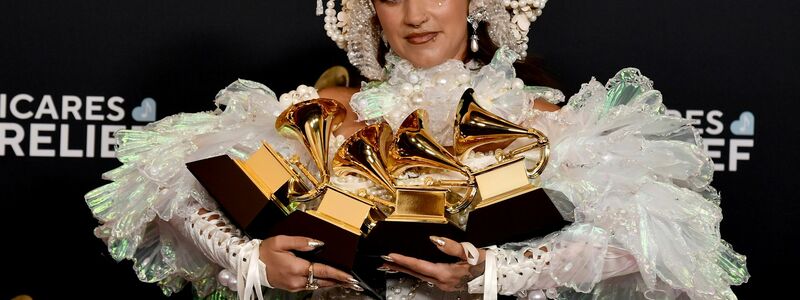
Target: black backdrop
[{"x": 713, "y": 60}]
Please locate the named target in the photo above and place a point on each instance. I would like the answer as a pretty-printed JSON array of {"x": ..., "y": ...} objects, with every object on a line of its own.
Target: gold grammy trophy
[
  {"x": 339, "y": 217},
  {"x": 510, "y": 207},
  {"x": 418, "y": 211}
]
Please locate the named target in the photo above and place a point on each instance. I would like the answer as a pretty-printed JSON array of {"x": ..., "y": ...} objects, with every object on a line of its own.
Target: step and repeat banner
[{"x": 74, "y": 72}]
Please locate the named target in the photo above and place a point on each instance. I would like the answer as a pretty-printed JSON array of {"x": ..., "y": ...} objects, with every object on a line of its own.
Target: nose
[{"x": 415, "y": 12}]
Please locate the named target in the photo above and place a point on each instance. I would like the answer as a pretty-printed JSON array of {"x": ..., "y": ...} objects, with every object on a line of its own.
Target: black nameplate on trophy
[
  {"x": 239, "y": 198},
  {"x": 515, "y": 219},
  {"x": 410, "y": 239}
]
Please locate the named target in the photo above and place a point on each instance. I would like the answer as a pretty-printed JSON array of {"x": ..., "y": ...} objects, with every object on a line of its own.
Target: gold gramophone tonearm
[{"x": 476, "y": 126}]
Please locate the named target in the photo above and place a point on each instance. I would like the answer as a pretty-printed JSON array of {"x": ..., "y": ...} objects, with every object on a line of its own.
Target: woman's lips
[{"x": 421, "y": 38}]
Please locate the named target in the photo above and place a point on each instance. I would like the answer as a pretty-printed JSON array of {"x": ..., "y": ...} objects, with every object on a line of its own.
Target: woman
[{"x": 636, "y": 181}]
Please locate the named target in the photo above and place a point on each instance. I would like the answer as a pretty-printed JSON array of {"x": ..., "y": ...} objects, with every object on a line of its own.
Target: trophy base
[
  {"x": 340, "y": 247},
  {"x": 522, "y": 215},
  {"x": 372, "y": 280},
  {"x": 409, "y": 239},
  {"x": 228, "y": 183}
]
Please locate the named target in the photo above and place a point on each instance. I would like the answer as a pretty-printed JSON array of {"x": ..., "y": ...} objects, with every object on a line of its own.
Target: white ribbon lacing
[
  {"x": 487, "y": 284},
  {"x": 224, "y": 245}
]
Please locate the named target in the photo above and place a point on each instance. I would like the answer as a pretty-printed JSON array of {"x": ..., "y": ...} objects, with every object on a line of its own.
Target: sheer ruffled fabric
[
  {"x": 634, "y": 181},
  {"x": 639, "y": 180},
  {"x": 153, "y": 187},
  {"x": 437, "y": 91}
]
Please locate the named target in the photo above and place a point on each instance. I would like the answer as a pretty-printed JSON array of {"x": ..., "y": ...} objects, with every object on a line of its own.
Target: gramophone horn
[
  {"x": 364, "y": 153},
  {"x": 312, "y": 122},
  {"x": 476, "y": 126},
  {"x": 413, "y": 146}
]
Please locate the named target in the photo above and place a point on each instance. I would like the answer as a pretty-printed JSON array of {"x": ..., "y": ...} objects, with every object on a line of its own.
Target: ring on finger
[{"x": 311, "y": 282}]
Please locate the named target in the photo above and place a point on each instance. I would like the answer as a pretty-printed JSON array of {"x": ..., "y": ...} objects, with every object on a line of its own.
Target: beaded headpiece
[{"x": 353, "y": 28}]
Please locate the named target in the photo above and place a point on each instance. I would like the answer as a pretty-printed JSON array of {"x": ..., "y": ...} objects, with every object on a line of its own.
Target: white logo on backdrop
[
  {"x": 726, "y": 153},
  {"x": 146, "y": 112},
  {"x": 92, "y": 119}
]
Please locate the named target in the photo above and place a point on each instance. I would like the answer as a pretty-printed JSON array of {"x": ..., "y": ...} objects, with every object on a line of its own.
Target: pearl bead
[
  {"x": 224, "y": 277},
  {"x": 413, "y": 78},
  {"x": 417, "y": 100},
  {"x": 406, "y": 89},
  {"x": 233, "y": 283},
  {"x": 518, "y": 84},
  {"x": 536, "y": 294}
]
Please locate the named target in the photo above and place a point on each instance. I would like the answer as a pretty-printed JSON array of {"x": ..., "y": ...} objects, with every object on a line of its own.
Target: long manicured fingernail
[
  {"x": 437, "y": 240},
  {"x": 315, "y": 244},
  {"x": 387, "y": 258},
  {"x": 352, "y": 280},
  {"x": 357, "y": 287},
  {"x": 383, "y": 269}
]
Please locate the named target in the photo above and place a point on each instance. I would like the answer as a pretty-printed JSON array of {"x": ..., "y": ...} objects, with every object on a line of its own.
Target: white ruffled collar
[{"x": 437, "y": 90}]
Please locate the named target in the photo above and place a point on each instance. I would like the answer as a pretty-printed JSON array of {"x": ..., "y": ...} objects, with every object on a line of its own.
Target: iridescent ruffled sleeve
[
  {"x": 640, "y": 184},
  {"x": 153, "y": 192}
]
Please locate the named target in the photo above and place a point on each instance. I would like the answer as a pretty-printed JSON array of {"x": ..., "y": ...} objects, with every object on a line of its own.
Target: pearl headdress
[{"x": 353, "y": 28}]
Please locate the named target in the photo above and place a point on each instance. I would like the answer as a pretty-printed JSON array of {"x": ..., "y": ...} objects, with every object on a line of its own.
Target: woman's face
[{"x": 425, "y": 32}]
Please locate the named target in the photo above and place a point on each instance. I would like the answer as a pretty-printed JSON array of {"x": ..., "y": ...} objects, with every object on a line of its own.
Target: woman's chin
[
  {"x": 428, "y": 55},
  {"x": 425, "y": 62}
]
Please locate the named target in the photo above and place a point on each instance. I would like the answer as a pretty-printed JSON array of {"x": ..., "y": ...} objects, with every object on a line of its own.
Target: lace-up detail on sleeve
[
  {"x": 141, "y": 211},
  {"x": 224, "y": 245}
]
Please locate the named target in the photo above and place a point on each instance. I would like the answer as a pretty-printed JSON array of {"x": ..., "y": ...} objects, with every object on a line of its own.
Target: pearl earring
[{"x": 473, "y": 20}]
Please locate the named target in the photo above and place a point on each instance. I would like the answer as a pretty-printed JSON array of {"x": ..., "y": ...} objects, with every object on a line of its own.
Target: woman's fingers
[
  {"x": 422, "y": 267},
  {"x": 323, "y": 283},
  {"x": 328, "y": 272},
  {"x": 449, "y": 247},
  {"x": 398, "y": 268},
  {"x": 287, "y": 243}
]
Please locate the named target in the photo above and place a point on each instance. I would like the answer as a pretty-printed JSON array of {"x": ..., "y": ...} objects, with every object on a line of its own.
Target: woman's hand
[
  {"x": 289, "y": 272},
  {"x": 446, "y": 277}
]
